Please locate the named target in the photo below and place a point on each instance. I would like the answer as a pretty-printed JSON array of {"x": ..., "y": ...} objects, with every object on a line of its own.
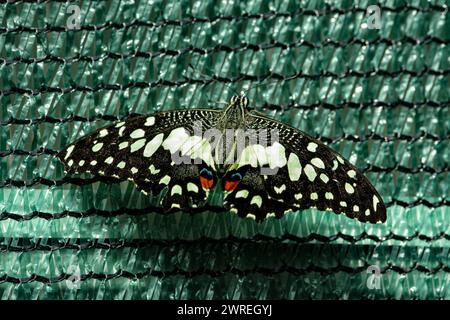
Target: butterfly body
[{"x": 264, "y": 167}]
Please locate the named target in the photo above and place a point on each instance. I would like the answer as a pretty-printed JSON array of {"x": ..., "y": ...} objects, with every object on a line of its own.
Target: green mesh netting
[{"x": 378, "y": 96}]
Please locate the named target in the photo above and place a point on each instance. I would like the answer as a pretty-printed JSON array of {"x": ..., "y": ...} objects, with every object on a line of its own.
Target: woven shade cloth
[{"x": 378, "y": 96}]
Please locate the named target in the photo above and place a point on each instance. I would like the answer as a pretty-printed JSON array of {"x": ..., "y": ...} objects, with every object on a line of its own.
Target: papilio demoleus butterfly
[{"x": 264, "y": 168}]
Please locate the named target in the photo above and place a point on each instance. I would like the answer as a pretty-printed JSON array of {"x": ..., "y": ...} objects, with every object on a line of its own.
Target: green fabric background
[{"x": 380, "y": 97}]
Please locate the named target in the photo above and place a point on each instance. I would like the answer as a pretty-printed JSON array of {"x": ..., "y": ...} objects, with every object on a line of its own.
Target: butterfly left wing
[
  {"x": 306, "y": 174},
  {"x": 144, "y": 149}
]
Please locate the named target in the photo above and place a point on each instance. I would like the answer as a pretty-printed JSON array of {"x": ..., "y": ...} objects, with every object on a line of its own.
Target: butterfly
[{"x": 263, "y": 167}]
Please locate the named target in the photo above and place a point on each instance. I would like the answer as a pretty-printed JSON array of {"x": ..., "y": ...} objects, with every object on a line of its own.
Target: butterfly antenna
[
  {"x": 260, "y": 84},
  {"x": 207, "y": 78},
  {"x": 244, "y": 92},
  {"x": 204, "y": 77}
]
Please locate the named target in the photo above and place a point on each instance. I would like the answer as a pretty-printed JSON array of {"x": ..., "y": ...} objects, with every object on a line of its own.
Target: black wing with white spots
[
  {"x": 142, "y": 149},
  {"x": 308, "y": 174}
]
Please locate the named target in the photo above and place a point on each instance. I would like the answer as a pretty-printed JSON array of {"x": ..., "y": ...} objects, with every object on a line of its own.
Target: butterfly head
[{"x": 239, "y": 101}]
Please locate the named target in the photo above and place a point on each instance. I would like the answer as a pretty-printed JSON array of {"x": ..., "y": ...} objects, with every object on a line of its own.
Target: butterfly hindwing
[
  {"x": 142, "y": 149},
  {"x": 250, "y": 198}
]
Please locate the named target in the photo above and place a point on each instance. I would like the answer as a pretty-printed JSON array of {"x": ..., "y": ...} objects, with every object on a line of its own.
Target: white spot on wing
[
  {"x": 175, "y": 140},
  {"x": 343, "y": 204},
  {"x": 314, "y": 196},
  {"x": 192, "y": 187},
  {"x": 375, "y": 202},
  {"x": 351, "y": 173},
  {"x": 318, "y": 163},
  {"x": 349, "y": 188},
  {"x": 276, "y": 156},
  {"x": 312, "y": 147},
  {"x": 176, "y": 189},
  {"x": 280, "y": 189},
  {"x": 294, "y": 167},
  {"x": 189, "y": 144},
  {"x": 103, "y": 133},
  {"x": 196, "y": 147},
  {"x": 242, "y": 194},
  {"x": 81, "y": 163},
  {"x": 324, "y": 177},
  {"x": 257, "y": 200},
  {"x": 165, "y": 180},
  {"x": 134, "y": 170},
  {"x": 153, "y": 145},
  {"x": 335, "y": 165},
  {"x": 121, "y": 165},
  {"x": 261, "y": 154},
  {"x": 153, "y": 170},
  {"x": 329, "y": 196},
  {"x": 69, "y": 151},
  {"x": 253, "y": 155},
  {"x": 149, "y": 121},
  {"x": 310, "y": 172},
  {"x": 138, "y": 133},
  {"x": 109, "y": 160},
  {"x": 137, "y": 145},
  {"x": 123, "y": 145},
  {"x": 97, "y": 147}
]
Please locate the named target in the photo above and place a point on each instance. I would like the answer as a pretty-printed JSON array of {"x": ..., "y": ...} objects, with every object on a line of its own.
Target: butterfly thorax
[{"x": 229, "y": 134}]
